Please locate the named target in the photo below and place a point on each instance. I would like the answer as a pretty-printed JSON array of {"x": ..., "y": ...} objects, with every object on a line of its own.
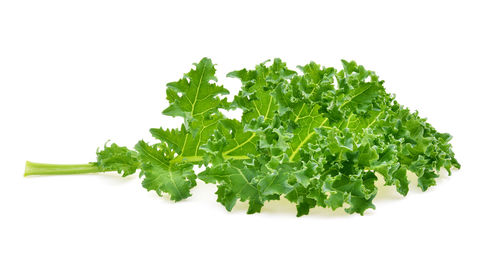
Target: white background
[{"x": 74, "y": 74}]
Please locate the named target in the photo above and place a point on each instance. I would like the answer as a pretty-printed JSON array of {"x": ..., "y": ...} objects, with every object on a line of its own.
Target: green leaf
[
  {"x": 427, "y": 179},
  {"x": 117, "y": 158},
  {"x": 160, "y": 175},
  {"x": 306, "y": 119},
  {"x": 335, "y": 200},
  {"x": 237, "y": 182},
  {"x": 198, "y": 95},
  {"x": 259, "y": 104},
  {"x": 195, "y": 98},
  {"x": 299, "y": 195},
  {"x": 187, "y": 144},
  {"x": 274, "y": 179},
  {"x": 359, "y": 188},
  {"x": 318, "y": 138}
]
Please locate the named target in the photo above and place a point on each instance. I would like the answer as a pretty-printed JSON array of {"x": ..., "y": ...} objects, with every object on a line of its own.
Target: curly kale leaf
[
  {"x": 321, "y": 137},
  {"x": 117, "y": 158}
]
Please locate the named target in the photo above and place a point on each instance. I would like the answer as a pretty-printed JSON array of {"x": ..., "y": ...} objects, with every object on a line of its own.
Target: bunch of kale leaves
[{"x": 316, "y": 138}]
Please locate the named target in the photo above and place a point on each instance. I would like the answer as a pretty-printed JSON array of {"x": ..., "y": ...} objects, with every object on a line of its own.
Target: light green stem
[{"x": 33, "y": 168}]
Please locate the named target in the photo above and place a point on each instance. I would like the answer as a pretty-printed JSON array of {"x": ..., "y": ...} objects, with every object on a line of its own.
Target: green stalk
[{"x": 33, "y": 168}]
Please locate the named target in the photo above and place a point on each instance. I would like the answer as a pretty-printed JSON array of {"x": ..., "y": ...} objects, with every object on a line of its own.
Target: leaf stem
[{"x": 33, "y": 168}]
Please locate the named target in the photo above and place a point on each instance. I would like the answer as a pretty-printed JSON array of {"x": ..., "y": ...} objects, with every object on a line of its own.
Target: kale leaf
[{"x": 316, "y": 138}]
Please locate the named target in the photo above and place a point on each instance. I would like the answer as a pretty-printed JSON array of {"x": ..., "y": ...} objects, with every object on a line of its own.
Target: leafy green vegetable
[{"x": 316, "y": 138}]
